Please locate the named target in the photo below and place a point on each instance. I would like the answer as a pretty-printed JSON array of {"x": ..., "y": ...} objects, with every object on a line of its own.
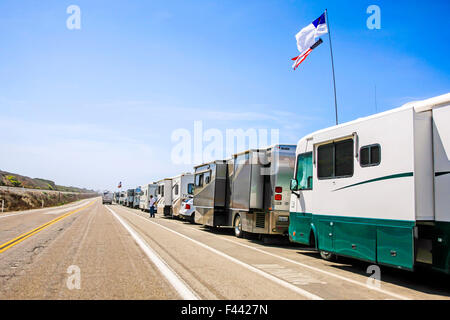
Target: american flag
[{"x": 299, "y": 59}]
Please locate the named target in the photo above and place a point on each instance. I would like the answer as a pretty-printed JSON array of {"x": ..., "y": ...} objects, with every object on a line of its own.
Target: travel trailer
[
  {"x": 147, "y": 190},
  {"x": 164, "y": 197},
  {"x": 249, "y": 192},
  {"x": 377, "y": 188},
  {"x": 210, "y": 185},
  {"x": 182, "y": 189}
]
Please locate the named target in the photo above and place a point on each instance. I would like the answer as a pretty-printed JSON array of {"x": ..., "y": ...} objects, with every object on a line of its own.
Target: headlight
[{"x": 283, "y": 219}]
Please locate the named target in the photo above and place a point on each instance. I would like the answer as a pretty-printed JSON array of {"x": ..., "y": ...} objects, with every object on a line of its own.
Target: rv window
[
  {"x": 207, "y": 177},
  {"x": 370, "y": 155},
  {"x": 304, "y": 171},
  {"x": 335, "y": 160},
  {"x": 325, "y": 161},
  {"x": 190, "y": 188},
  {"x": 344, "y": 158},
  {"x": 176, "y": 189},
  {"x": 199, "y": 180}
]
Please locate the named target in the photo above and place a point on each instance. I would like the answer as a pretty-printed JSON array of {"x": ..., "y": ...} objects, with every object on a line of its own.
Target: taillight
[
  {"x": 278, "y": 197},
  {"x": 188, "y": 206},
  {"x": 278, "y": 189}
]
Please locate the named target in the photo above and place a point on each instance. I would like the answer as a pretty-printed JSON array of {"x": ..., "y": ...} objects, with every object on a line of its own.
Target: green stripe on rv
[
  {"x": 393, "y": 176},
  {"x": 384, "y": 241}
]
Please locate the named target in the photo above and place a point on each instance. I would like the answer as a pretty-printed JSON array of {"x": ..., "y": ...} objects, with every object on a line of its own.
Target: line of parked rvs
[{"x": 375, "y": 189}]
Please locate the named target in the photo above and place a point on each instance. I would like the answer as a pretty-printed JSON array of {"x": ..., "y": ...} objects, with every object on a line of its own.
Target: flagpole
[{"x": 332, "y": 66}]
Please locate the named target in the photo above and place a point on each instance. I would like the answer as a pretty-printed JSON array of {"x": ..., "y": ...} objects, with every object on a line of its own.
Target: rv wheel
[
  {"x": 329, "y": 256},
  {"x": 238, "y": 227}
]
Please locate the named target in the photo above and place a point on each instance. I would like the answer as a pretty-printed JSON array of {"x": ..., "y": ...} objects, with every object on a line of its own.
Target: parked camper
[
  {"x": 210, "y": 186},
  {"x": 164, "y": 199},
  {"x": 182, "y": 189},
  {"x": 147, "y": 190},
  {"x": 249, "y": 192},
  {"x": 130, "y": 198},
  {"x": 123, "y": 198},
  {"x": 107, "y": 197},
  {"x": 137, "y": 197},
  {"x": 116, "y": 197},
  {"x": 377, "y": 188},
  {"x": 259, "y": 194}
]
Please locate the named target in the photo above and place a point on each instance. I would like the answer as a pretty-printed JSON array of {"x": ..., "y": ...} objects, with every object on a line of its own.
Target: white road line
[
  {"x": 183, "y": 290},
  {"x": 266, "y": 275},
  {"x": 397, "y": 296}
]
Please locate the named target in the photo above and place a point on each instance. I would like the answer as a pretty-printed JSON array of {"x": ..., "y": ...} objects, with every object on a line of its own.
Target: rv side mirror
[{"x": 294, "y": 185}]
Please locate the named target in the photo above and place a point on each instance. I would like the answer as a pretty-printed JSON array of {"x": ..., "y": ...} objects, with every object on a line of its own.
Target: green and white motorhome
[{"x": 377, "y": 188}]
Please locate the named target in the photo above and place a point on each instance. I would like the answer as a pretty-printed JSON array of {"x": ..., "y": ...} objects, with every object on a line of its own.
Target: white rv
[
  {"x": 146, "y": 191},
  {"x": 182, "y": 189},
  {"x": 123, "y": 198},
  {"x": 164, "y": 197},
  {"x": 377, "y": 188}
]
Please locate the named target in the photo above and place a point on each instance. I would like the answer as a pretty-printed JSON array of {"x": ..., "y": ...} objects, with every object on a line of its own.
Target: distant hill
[{"x": 16, "y": 180}]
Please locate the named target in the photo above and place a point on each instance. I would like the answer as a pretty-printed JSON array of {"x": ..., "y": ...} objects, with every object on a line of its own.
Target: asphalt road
[{"x": 87, "y": 250}]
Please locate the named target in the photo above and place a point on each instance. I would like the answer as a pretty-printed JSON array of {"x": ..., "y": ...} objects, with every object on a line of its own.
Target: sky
[{"x": 93, "y": 106}]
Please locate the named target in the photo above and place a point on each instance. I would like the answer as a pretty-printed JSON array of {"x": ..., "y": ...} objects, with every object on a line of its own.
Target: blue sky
[{"x": 98, "y": 105}]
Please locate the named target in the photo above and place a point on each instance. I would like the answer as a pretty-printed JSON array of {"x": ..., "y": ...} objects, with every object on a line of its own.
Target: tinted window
[
  {"x": 207, "y": 177},
  {"x": 370, "y": 155},
  {"x": 325, "y": 161},
  {"x": 199, "y": 180},
  {"x": 375, "y": 154},
  {"x": 364, "y": 156},
  {"x": 335, "y": 160},
  {"x": 190, "y": 188},
  {"x": 344, "y": 158},
  {"x": 176, "y": 190}
]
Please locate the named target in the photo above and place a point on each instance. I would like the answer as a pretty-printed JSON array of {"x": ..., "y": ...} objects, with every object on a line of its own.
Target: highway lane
[
  {"x": 210, "y": 262},
  {"x": 111, "y": 265},
  {"x": 123, "y": 254},
  {"x": 13, "y": 224}
]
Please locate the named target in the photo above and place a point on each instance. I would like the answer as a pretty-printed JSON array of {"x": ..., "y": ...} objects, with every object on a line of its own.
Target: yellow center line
[{"x": 13, "y": 242}]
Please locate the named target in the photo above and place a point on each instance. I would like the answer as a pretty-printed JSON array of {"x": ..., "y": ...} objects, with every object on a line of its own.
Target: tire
[
  {"x": 238, "y": 227},
  {"x": 329, "y": 256},
  {"x": 192, "y": 218}
]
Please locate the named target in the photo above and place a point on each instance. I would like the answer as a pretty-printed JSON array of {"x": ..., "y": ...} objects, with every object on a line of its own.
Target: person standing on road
[{"x": 151, "y": 206}]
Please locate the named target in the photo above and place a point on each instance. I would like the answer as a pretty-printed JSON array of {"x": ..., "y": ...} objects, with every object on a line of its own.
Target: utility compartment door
[
  {"x": 441, "y": 150},
  {"x": 395, "y": 246},
  {"x": 356, "y": 240},
  {"x": 325, "y": 235}
]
